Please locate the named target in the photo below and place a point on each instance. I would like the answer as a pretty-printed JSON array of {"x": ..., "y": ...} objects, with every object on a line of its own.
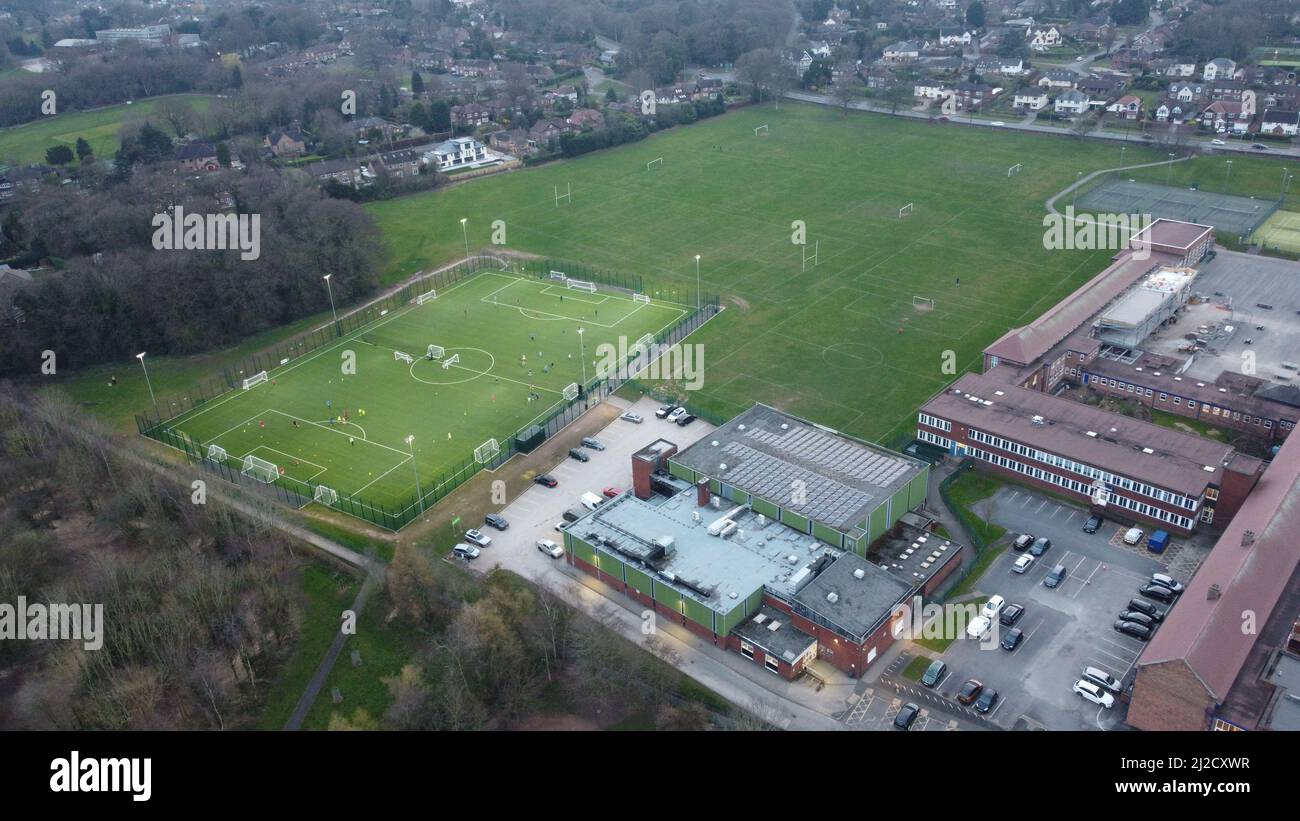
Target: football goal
[
  {"x": 487, "y": 451},
  {"x": 217, "y": 453},
  {"x": 559, "y": 276},
  {"x": 580, "y": 285},
  {"x": 570, "y": 391},
  {"x": 435, "y": 352},
  {"x": 922, "y": 303},
  {"x": 905, "y": 211},
  {"x": 657, "y": 162},
  {"x": 254, "y": 380},
  {"x": 404, "y": 357},
  {"x": 761, "y": 131},
  {"x": 428, "y": 296},
  {"x": 327, "y": 496},
  {"x": 260, "y": 469},
  {"x": 451, "y": 360},
  {"x": 1012, "y": 170},
  {"x": 642, "y": 298}
]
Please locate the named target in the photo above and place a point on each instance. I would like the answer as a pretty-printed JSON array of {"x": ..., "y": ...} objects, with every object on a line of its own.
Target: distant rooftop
[{"x": 764, "y": 451}]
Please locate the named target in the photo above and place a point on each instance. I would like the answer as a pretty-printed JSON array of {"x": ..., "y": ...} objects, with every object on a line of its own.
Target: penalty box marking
[{"x": 291, "y": 457}]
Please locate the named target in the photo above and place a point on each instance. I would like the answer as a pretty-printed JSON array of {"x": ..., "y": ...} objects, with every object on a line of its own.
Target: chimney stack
[{"x": 702, "y": 492}]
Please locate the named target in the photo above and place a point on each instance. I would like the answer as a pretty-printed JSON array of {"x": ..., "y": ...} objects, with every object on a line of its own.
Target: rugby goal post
[
  {"x": 905, "y": 211},
  {"x": 435, "y": 352},
  {"x": 761, "y": 131},
  {"x": 451, "y": 360},
  {"x": 260, "y": 469},
  {"x": 254, "y": 380},
  {"x": 657, "y": 162},
  {"x": 570, "y": 391},
  {"x": 1014, "y": 169},
  {"x": 404, "y": 357},
  {"x": 567, "y": 196},
  {"x": 644, "y": 299},
  {"x": 487, "y": 451},
  {"x": 327, "y": 496},
  {"x": 580, "y": 285},
  {"x": 217, "y": 453},
  {"x": 427, "y": 296}
]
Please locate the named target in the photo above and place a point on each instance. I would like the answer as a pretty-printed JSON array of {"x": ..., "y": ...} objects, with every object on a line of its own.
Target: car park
[
  {"x": 1144, "y": 606},
  {"x": 934, "y": 673},
  {"x": 676, "y": 414},
  {"x": 663, "y": 412},
  {"x": 993, "y": 606},
  {"x": 1023, "y": 563},
  {"x": 1102, "y": 679},
  {"x": 1040, "y": 546},
  {"x": 1011, "y": 614},
  {"x": 594, "y": 444},
  {"x": 550, "y": 548},
  {"x": 1093, "y": 523},
  {"x": 574, "y": 453},
  {"x": 1133, "y": 536},
  {"x": 686, "y": 419},
  {"x": 1137, "y": 618},
  {"x": 977, "y": 627},
  {"x": 1158, "y": 592},
  {"x": 465, "y": 551},
  {"x": 1023, "y": 541},
  {"x": 1054, "y": 578},
  {"x": 632, "y": 417},
  {"x": 496, "y": 520},
  {"x": 1167, "y": 581},
  {"x": 1130, "y": 628},
  {"x": 1011, "y": 639},
  {"x": 907, "y": 716},
  {"x": 545, "y": 480},
  {"x": 477, "y": 537},
  {"x": 611, "y": 491},
  {"x": 1093, "y": 693},
  {"x": 987, "y": 700},
  {"x": 969, "y": 691}
]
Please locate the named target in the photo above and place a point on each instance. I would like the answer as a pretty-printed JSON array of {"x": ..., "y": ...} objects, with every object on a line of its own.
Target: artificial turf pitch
[{"x": 516, "y": 338}]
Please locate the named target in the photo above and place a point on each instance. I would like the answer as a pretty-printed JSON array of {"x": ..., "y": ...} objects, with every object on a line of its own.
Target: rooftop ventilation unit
[
  {"x": 774, "y": 626},
  {"x": 832, "y": 597},
  {"x": 1091, "y": 433},
  {"x": 1213, "y": 592},
  {"x": 1208, "y": 468},
  {"x": 1247, "y": 538},
  {"x": 714, "y": 443},
  {"x": 740, "y": 427},
  {"x": 859, "y": 574},
  {"x": 1147, "y": 450},
  {"x": 722, "y": 466},
  {"x": 760, "y": 618},
  {"x": 732, "y": 595},
  {"x": 784, "y": 426},
  {"x": 1038, "y": 420}
]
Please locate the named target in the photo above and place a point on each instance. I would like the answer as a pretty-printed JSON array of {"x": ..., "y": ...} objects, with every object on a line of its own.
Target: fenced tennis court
[
  {"x": 1280, "y": 233},
  {"x": 1230, "y": 215}
]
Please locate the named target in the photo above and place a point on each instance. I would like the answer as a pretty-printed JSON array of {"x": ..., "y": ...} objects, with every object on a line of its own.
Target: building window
[
  {"x": 747, "y": 650},
  {"x": 771, "y": 663},
  {"x": 1163, "y": 396}
]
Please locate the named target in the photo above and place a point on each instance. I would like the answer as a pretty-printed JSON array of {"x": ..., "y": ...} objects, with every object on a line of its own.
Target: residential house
[
  {"x": 401, "y": 164},
  {"x": 801, "y": 59},
  {"x": 514, "y": 141},
  {"x": 347, "y": 171},
  {"x": 363, "y": 127},
  {"x": 878, "y": 78},
  {"x": 1180, "y": 68},
  {"x": 1220, "y": 68},
  {"x": 198, "y": 156},
  {"x": 1011, "y": 66},
  {"x": 902, "y": 52},
  {"x": 1188, "y": 92},
  {"x": 971, "y": 96},
  {"x": 1072, "y": 102},
  {"x": 1030, "y": 99},
  {"x": 286, "y": 143},
  {"x": 1127, "y": 107},
  {"x": 1224, "y": 115},
  {"x": 458, "y": 152},
  {"x": 548, "y": 130},
  {"x": 1228, "y": 90},
  {"x": 1058, "y": 79},
  {"x": 954, "y": 38},
  {"x": 470, "y": 115},
  {"x": 1278, "y": 123},
  {"x": 927, "y": 89},
  {"x": 585, "y": 118},
  {"x": 1102, "y": 88},
  {"x": 1042, "y": 38},
  {"x": 1173, "y": 111}
]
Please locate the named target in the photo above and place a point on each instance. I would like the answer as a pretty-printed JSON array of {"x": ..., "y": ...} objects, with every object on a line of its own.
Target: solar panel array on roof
[
  {"x": 771, "y": 477},
  {"x": 835, "y": 454}
]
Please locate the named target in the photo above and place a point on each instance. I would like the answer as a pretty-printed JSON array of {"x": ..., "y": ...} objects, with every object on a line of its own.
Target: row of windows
[
  {"x": 934, "y": 422},
  {"x": 934, "y": 439},
  {"x": 1084, "y": 470},
  {"x": 1182, "y": 522},
  {"x": 1212, "y": 410}
]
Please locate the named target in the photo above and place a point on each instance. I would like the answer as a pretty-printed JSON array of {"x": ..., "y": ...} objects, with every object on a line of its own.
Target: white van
[{"x": 591, "y": 501}]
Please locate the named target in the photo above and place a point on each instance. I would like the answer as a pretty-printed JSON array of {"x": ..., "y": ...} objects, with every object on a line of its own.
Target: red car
[
  {"x": 611, "y": 492},
  {"x": 546, "y": 480}
]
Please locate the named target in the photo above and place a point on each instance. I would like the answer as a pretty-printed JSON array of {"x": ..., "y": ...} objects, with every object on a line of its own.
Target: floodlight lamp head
[{"x": 140, "y": 356}]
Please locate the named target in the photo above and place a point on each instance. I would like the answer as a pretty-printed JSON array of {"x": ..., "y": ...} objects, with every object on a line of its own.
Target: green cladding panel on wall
[
  {"x": 681, "y": 471},
  {"x": 699, "y": 613},
  {"x": 832, "y": 537},
  {"x": 766, "y": 508},
  {"x": 640, "y": 581},
  {"x": 580, "y": 549},
  {"x": 852, "y": 545},
  {"x": 715, "y": 487},
  {"x": 609, "y": 564},
  {"x": 917, "y": 489},
  {"x": 898, "y": 505},
  {"x": 668, "y": 597},
  {"x": 794, "y": 520},
  {"x": 879, "y": 522}
]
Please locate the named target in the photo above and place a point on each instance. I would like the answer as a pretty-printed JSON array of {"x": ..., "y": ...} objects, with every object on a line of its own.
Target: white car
[
  {"x": 1217, "y": 142},
  {"x": 561, "y": 526},
  {"x": 993, "y": 606},
  {"x": 1133, "y": 536},
  {"x": 997, "y": 122},
  {"x": 478, "y": 538},
  {"x": 978, "y": 627},
  {"x": 1093, "y": 693},
  {"x": 550, "y": 548},
  {"x": 1022, "y": 564},
  {"x": 1167, "y": 581},
  {"x": 677, "y": 413},
  {"x": 465, "y": 551}
]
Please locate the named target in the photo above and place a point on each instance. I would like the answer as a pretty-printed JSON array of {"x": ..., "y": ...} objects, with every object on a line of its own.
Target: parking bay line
[{"x": 1086, "y": 581}]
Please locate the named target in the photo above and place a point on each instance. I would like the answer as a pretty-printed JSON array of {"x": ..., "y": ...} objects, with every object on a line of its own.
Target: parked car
[
  {"x": 1093, "y": 523},
  {"x": 997, "y": 123},
  {"x": 1040, "y": 546},
  {"x": 1011, "y": 614},
  {"x": 611, "y": 492},
  {"x": 934, "y": 673},
  {"x": 987, "y": 700},
  {"x": 1102, "y": 679},
  {"x": 545, "y": 480},
  {"x": 1012, "y": 638},
  {"x": 1132, "y": 628},
  {"x": 574, "y": 453},
  {"x": 977, "y": 627},
  {"x": 1054, "y": 578},
  {"x": 1133, "y": 536},
  {"x": 1259, "y": 147},
  {"x": 969, "y": 691},
  {"x": 1144, "y": 606},
  {"x": 1093, "y": 693},
  {"x": 906, "y": 716},
  {"x": 663, "y": 412},
  {"x": 465, "y": 551},
  {"x": 591, "y": 501},
  {"x": 1217, "y": 142},
  {"x": 1023, "y": 540},
  {"x": 550, "y": 548},
  {"x": 1022, "y": 563},
  {"x": 594, "y": 444},
  {"x": 573, "y": 514},
  {"x": 479, "y": 538},
  {"x": 496, "y": 520},
  {"x": 1167, "y": 581},
  {"x": 677, "y": 413},
  {"x": 562, "y": 526},
  {"x": 632, "y": 417},
  {"x": 993, "y": 606},
  {"x": 686, "y": 419},
  {"x": 1158, "y": 592},
  {"x": 1138, "y": 618}
]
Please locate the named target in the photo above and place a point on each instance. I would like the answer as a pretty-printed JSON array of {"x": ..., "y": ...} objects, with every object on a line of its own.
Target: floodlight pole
[
  {"x": 1075, "y": 191},
  {"x": 1169, "y": 171},
  {"x": 1229, "y": 162},
  {"x": 697, "y": 282},
  {"x": 465, "y": 235},
  {"x": 410, "y": 441},
  {"x": 330, "y": 289},
  {"x": 582, "y": 354},
  {"x": 1122, "y": 149},
  {"x": 152, "y": 398}
]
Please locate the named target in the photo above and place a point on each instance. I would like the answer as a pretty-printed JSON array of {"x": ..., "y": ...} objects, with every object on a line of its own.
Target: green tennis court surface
[
  {"x": 510, "y": 346},
  {"x": 1281, "y": 232}
]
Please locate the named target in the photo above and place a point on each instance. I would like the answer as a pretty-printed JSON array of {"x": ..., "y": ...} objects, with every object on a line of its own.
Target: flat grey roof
[
  {"x": 858, "y": 604},
  {"x": 765, "y": 452},
  {"x": 1286, "y": 713},
  {"x": 772, "y": 632},
  {"x": 1132, "y": 309}
]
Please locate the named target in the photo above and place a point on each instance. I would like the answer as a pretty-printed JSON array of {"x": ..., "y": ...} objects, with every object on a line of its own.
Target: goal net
[
  {"x": 435, "y": 352},
  {"x": 326, "y": 495},
  {"x": 657, "y": 162},
  {"x": 1015, "y": 169},
  {"x": 451, "y": 360},
  {"x": 761, "y": 131},
  {"x": 559, "y": 276},
  {"x": 428, "y": 296},
  {"x": 642, "y": 298},
  {"x": 580, "y": 285},
  {"x": 922, "y": 303},
  {"x": 217, "y": 453},
  {"x": 255, "y": 379},
  {"x": 260, "y": 469},
  {"x": 403, "y": 356},
  {"x": 570, "y": 391},
  {"x": 487, "y": 451},
  {"x": 905, "y": 211}
]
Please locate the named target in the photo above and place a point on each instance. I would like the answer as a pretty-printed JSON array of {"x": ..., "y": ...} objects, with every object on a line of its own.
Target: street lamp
[
  {"x": 152, "y": 398},
  {"x": 1229, "y": 162},
  {"x": 410, "y": 441},
  {"x": 1122, "y": 149},
  {"x": 464, "y": 233},
  {"x": 697, "y": 282},
  {"x": 330, "y": 289},
  {"x": 1074, "y": 193},
  {"x": 1169, "y": 171}
]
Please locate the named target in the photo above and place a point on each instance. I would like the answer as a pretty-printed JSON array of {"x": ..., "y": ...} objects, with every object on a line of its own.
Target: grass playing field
[
  {"x": 1280, "y": 232},
  {"x": 518, "y": 347}
]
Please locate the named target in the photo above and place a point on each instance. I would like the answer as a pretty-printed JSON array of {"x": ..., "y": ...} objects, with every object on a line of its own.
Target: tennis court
[
  {"x": 1281, "y": 232},
  {"x": 1230, "y": 215}
]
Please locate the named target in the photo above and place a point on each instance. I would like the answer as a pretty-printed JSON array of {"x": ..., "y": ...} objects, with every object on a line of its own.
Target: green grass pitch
[{"x": 515, "y": 337}]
